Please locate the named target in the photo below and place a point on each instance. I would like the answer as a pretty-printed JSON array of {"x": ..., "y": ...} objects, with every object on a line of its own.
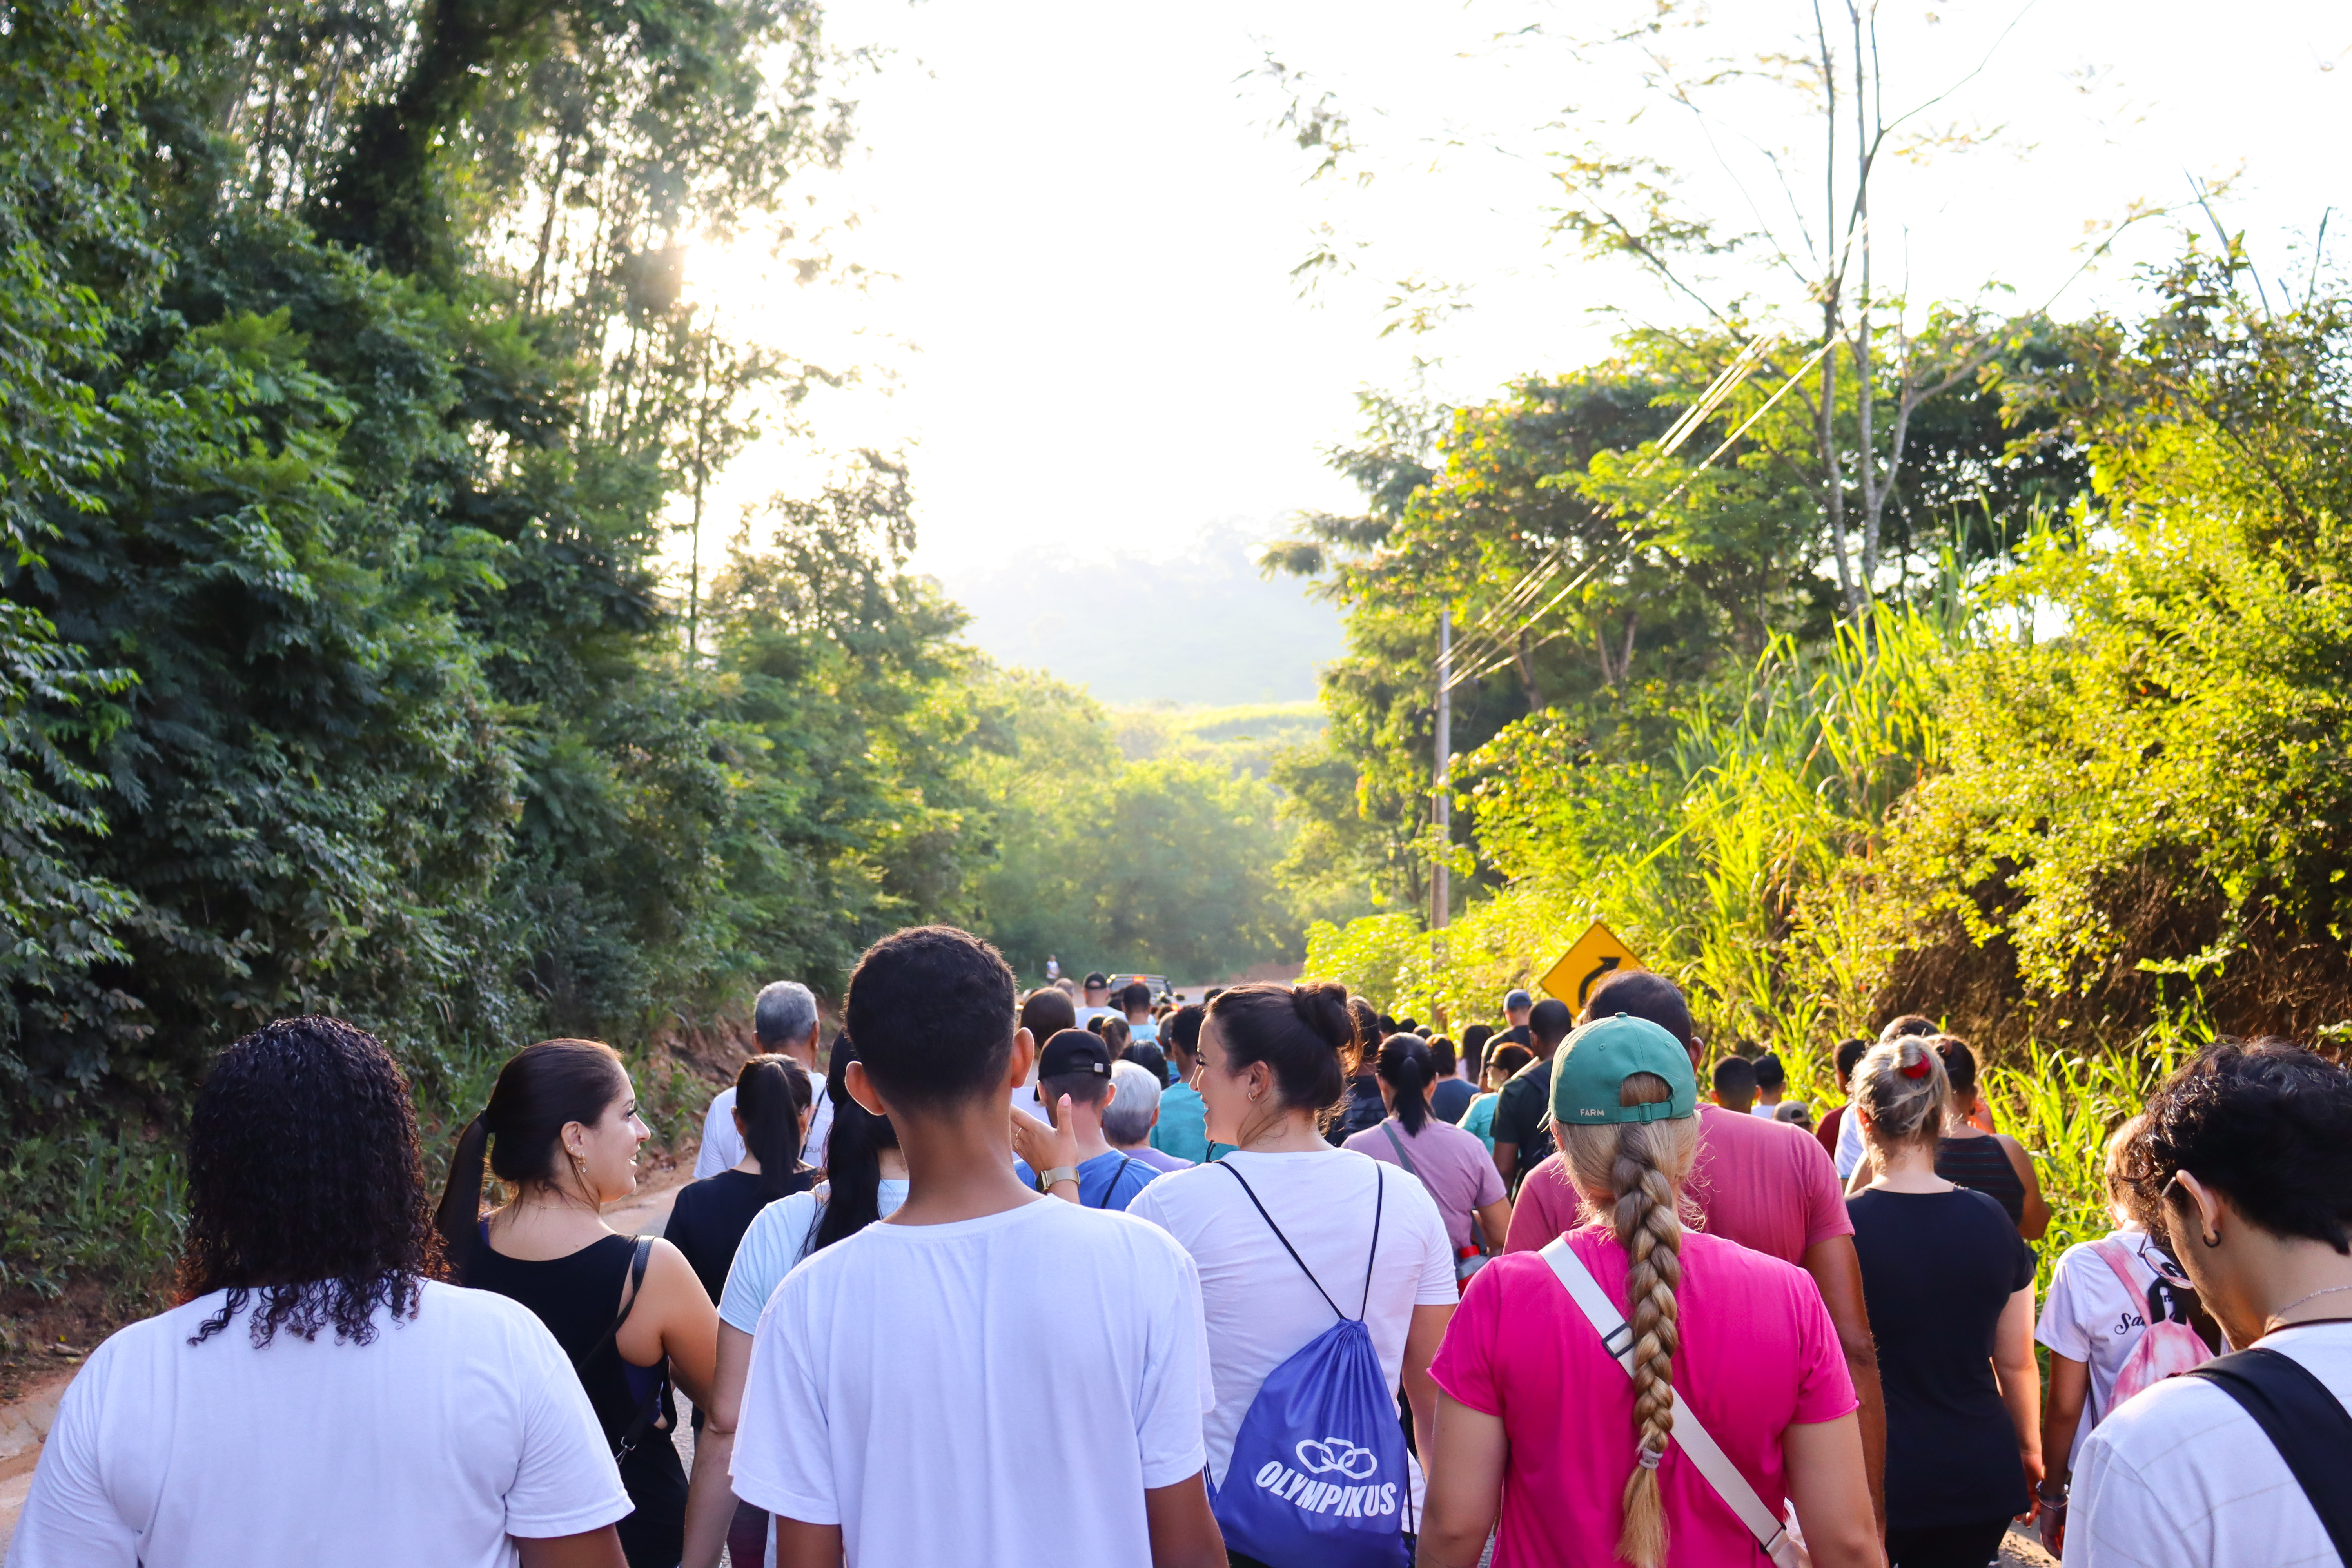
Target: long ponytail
[
  {"x": 1632, "y": 1174},
  {"x": 773, "y": 1094},
  {"x": 461, "y": 1200},
  {"x": 1406, "y": 1067},
  {"x": 852, "y": 1160}
]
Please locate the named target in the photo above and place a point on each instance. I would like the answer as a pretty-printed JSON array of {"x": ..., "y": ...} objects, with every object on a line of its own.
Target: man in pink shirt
[{"x": 1766, "y": 1185}]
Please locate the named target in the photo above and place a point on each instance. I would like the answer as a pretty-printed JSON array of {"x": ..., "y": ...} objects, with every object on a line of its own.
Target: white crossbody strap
[{"x": 1721, "y": 1474}]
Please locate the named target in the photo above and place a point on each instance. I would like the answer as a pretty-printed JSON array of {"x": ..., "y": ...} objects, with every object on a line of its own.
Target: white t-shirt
[
  {"x": 1261, "y": 1309},
  {"x": 1849, "y": 1149},
  {"x": 451, "y": 1432},
  {"x": 2090, "y": 1318},
  {"x": 722, "y": 1146},
  {"x": 1089, "y": 1015},
  {"x": 998, "y": 1391},
  {"x": 2180, "y": 1477},
  {"x": 777, "y": 1240}
]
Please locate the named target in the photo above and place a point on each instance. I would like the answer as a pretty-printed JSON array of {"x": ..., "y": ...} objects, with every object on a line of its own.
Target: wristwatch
[{"x": 1053, "y": 1174}]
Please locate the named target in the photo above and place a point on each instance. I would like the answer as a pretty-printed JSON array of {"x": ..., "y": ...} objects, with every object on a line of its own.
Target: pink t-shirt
[
  {"x": 1453, "y": 1164},
  {"x": 1766, "y": 1185},
  {"x": 1757, "y": 1354}
]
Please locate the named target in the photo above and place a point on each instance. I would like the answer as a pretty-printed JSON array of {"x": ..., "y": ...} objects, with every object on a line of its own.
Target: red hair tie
[{"x": 1916, "y": 1069}]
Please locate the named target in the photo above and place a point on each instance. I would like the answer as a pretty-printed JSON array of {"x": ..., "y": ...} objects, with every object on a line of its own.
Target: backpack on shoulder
[
  {"x": 2169, "y": 1347},
  {"x": 1317, "y": 1478},
  {"x": 2305, "y": 1422}
]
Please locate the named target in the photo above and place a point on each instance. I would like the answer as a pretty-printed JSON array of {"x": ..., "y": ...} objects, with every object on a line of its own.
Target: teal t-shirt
[
  {"x": 1183, "y": 1129},
  {"x": 1480, "y": 1119}
]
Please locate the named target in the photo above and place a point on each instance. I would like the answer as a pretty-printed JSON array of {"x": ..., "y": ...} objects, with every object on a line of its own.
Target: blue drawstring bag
[{"x": 1318, "y": 1476}]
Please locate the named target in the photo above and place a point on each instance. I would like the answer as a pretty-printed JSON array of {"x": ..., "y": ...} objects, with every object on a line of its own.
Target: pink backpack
[{"x": 2166, "y": 1347}]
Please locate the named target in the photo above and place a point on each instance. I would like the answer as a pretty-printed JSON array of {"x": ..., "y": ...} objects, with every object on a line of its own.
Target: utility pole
[
  {"x": 1440, "y": 893},
  {"x": 1440, "y": 901}
]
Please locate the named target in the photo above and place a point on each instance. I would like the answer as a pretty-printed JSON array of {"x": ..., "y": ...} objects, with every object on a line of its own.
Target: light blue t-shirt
[
  {"x": 1103, "y": 1184},
  {"x": 1183, "y": 1129},
  {"x": 774, "y": 1245}
]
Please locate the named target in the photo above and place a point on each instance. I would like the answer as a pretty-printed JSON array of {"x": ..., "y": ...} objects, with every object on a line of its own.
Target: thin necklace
[{"x": 2272, "y": 1322}]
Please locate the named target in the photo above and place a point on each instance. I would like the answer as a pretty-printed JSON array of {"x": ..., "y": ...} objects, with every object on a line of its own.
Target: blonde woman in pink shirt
[{"x": 1588, "y": 1457}]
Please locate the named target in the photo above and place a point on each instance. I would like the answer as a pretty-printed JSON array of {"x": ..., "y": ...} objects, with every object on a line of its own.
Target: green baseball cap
[{"x": 1592, "y": 1064}]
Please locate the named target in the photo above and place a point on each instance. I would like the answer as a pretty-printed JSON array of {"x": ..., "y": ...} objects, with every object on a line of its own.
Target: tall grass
[
  {"x": 1732, "y": 864},
  {"x": 1742, "y": 865}
]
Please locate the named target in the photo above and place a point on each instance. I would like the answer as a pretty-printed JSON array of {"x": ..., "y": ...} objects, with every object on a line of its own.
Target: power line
[{"x": 1484, "y": 661}]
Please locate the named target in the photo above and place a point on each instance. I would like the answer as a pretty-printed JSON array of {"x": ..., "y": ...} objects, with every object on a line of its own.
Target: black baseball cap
[
  {"x": 1098, "y": 981},
  {"x": 1074, "y": 1051}
]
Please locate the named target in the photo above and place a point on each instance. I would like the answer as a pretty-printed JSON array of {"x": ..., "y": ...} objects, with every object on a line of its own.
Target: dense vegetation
[
  {"x": 349, "y": 392},
  {"x": 2078, "y": 769},
  {"x": 2075, "y": 781}
]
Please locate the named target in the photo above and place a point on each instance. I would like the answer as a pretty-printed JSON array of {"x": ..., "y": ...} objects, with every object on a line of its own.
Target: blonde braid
[
  {"x": 1631, "y": 1175},
  {"x": 1651, "y": 1233}
]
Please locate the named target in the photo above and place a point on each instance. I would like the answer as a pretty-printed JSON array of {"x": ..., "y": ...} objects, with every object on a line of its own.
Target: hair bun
[{"x": 1323, "y": 1007}]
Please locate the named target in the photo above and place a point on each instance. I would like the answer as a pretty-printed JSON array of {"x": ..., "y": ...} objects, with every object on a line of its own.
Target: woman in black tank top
[
  {"x": 576, "y": 1297},
  {"x": 562, "y": 1131},
  {"x": 1993, "y": 1164}
]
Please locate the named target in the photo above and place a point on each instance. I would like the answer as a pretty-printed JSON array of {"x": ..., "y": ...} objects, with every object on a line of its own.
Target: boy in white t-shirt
[
  {"x": 318, "y": 1399},
  {"x": 989, "y": 1376},
  {"x": 2244, "y": 1166}
]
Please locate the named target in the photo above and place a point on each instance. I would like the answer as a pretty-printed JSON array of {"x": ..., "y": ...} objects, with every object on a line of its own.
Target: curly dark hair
[
  {"x": 306, "y": 1183},
  {"x": 2267, "y": 1123}
]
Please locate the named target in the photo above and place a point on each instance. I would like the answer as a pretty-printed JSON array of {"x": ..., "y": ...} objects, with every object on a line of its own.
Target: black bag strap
[
  {"x": 650, "y": 1405},
  {"x": 1111, "y": 1191},
  {"x": 2305, "y": 1423},
  {"x": 1379, "y": 1201},
  {"x": 1228, "y": 1166}
]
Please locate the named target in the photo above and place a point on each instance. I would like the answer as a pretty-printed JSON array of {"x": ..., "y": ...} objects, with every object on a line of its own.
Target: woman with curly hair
[
  {"x": 1583, "y": 1447},
  {"x": 319, "y": 1395},
  {"x": 562, "y": 1133}
]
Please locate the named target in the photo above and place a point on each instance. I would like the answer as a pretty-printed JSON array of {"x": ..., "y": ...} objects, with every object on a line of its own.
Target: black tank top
[
  {"x": 576, "y": 1297},
  {"x": 1982, "y": 1163}
]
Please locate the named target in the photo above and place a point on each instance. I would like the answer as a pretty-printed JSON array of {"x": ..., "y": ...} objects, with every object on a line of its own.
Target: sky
[{"x": 1077, "y": 223}]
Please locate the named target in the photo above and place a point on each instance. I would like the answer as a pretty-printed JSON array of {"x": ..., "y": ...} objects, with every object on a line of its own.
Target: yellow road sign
[{"x": 1597, "y": 952}]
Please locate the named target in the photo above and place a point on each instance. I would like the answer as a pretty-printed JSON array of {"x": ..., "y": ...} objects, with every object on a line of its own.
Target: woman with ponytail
[
  {"x": 1974, "y": 1155},
  {"x": 865, "y": 1180},
  {"x": 1949, "y": 1285},
  {"x": 561, "y": 1133},
  {"x": 772, "y": 1116},
  {"x": 1539, "y": 1422},
  {"x": 1285, "y": 1245},
  {"x": 1453, "y": 1164}
]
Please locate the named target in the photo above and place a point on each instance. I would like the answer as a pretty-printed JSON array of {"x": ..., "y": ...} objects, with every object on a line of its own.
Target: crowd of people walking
[{"x": 1083, "y": 1276}]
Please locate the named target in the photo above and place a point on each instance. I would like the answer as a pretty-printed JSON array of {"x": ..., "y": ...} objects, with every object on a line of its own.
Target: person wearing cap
[
  {"x": 1098, "y": 1004},
  {"x": 1517, "y": 1006},
  {"x": 1539, "y": 1423},
  {"x": 1764, "y": 1185},
  {"x": 1075, "y": 1081}
]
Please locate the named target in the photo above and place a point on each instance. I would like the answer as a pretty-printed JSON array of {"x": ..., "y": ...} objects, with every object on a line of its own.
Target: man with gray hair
[
  {"x": 1133, "y": 1112},
  {"x": 784, "y": 1021}
]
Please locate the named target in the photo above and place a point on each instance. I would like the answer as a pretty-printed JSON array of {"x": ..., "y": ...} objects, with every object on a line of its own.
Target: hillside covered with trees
[{"x": 351, "y": 394}]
